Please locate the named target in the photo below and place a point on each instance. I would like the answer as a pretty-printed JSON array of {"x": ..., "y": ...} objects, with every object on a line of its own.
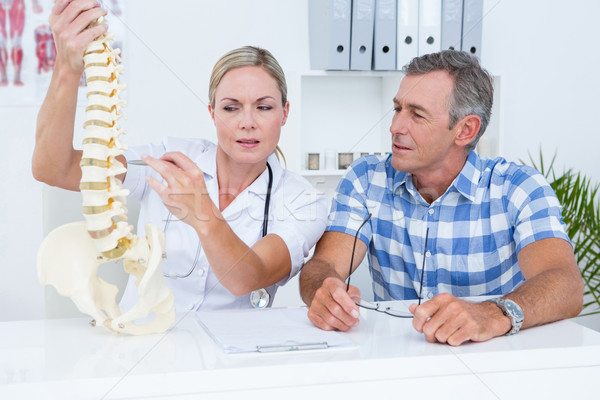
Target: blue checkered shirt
[{"x": 491, "y": 210}]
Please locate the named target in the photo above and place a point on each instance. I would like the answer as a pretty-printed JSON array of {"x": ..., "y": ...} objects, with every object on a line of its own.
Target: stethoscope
[{"x": 259, "y": 298}]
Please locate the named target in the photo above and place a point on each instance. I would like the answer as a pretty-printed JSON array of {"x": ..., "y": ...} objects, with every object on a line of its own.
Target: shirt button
[
  {"x": 431, "y": 211},
  {"x": 428, "y": 254},
  {"x": 430, "y": 295}
]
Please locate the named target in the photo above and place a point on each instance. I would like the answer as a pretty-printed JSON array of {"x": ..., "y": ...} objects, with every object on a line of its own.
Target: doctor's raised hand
[
  {"x": 70, "y": 22},
  {"x": 184, "y": 191}
]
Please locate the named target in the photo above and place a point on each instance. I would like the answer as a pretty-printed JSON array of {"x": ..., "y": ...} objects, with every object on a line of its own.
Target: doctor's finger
[
  {"x": 61, "y": 5},
  {"x": 181, "y": 160},
  {"x": 72, "y": 36},
  {"x": 160, "y": 189},
  {"x": 169, "y": 171},
  {"x": 167, "y": 195},
  {"x": 79, "y": 9}
]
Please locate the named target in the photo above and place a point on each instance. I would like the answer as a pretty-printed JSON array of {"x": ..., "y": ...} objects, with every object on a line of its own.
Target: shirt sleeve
[
  {"x": 299, "y": 219},
  {"x": 534, "y": 208},
  {"x": 349, "y": 204},
  {"x": 135, "y": 180}
]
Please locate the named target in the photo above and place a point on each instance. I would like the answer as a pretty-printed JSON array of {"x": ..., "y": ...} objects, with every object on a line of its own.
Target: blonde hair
[{"x": 244, "y": 57}]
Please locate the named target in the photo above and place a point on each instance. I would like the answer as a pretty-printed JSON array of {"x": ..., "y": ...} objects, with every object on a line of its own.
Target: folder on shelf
[
  {"x": 452, "y": 13},
  {"x": 329, "y": 34},
  {"x": 384, "y": 48},
  {"x": 407, "y": 41},
  {"x": 472, "y": 27},
  {"x": 267, "y": 330},
  {"x": 361, "y": 42},
  {"x": 430, "y": 26}
]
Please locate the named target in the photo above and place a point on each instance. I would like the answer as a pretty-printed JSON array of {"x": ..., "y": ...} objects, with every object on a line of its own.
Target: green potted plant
[{"x": 581, "y": 214}]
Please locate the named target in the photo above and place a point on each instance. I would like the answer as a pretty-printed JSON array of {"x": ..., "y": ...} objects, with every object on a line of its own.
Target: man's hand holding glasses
[
  {"x": 336, "y": 305},
  {"x": 376, "y": 306},
  {"x": 333, "y": 307}
]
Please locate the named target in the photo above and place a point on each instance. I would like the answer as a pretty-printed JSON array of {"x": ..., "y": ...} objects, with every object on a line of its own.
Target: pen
[
  {"x": 291, "y": 347},
  {"x": 142, "y": 163},
  {"x": 136, "y": 162}
]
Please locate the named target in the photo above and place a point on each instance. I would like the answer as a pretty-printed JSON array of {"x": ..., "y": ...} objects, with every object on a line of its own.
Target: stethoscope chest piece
[{"x": 260, "y": 298}]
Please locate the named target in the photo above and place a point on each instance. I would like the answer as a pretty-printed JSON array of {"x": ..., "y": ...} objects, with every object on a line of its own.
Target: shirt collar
[
  {"x": 207, "y": 162},
  {"x": 466, "y": 182}
]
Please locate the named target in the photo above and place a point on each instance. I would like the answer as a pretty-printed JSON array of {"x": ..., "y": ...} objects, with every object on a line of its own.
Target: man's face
[{"x": 421, "y": 140}]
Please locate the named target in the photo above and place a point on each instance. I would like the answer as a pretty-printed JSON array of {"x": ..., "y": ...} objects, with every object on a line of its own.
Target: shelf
[
  {"x": 346, "y": 112},
  {"x": 323, "y": 172},
  {"x": 350, "y": 73}
]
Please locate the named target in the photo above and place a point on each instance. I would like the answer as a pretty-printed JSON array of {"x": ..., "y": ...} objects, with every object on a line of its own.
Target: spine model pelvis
[{"x": 70, "y": 255}]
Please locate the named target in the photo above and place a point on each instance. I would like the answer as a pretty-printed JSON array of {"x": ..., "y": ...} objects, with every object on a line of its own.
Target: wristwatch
[{"x": 512, "y": 311}]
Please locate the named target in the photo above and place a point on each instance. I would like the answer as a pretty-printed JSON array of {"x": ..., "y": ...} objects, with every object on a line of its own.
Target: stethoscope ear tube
[
  {"x": 261, "y": 298},
  {"x": 267, "y": 202}
]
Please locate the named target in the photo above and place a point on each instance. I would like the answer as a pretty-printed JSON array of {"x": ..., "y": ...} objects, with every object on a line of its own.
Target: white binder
[
  {"x": 407, "y": 32},
  {"x": 452, "y": 13},
  {"x": 384, "y": 48},
  {"x": 430, "y": 26},
  {"x": 329, "y": 34},
  {"x": 472, "y": 27},
  {"x": 363, "y": 18}
]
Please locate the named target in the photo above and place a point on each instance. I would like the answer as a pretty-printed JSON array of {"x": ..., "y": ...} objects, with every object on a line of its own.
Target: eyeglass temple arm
[
  {"x": 423, "y": 267},
  {"x": 354, "y": 248}
]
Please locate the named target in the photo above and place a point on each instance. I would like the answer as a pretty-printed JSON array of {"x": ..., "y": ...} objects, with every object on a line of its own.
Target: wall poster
[{"x": 27, "y": 51}]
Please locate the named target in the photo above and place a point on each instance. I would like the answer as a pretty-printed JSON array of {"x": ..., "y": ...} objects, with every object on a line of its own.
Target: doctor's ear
[
  {"x": 286, "y": 111},
  {"x": 467, "y": 129},
  {"x": 211, "y": 111}
]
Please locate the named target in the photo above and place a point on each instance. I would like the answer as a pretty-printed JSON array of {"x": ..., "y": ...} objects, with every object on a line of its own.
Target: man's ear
[{"x": 467, "y": 129}]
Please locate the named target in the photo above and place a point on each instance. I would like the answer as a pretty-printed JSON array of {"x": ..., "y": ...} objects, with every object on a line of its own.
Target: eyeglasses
[{"x": 376, "y": 306}]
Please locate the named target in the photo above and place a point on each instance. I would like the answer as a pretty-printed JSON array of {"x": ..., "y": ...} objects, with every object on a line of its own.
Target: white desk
[{"x": 68, "y": 359}]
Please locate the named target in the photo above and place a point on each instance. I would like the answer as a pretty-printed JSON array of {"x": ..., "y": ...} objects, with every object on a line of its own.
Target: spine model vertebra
[{"x": 104, "y": 199}]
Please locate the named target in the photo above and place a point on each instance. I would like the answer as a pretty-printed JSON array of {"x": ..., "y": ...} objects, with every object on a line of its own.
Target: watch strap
[{"x": 516, "y": 319}]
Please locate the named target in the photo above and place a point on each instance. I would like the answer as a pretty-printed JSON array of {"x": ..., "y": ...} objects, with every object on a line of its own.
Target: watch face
[{"x": 514, "y": 309}]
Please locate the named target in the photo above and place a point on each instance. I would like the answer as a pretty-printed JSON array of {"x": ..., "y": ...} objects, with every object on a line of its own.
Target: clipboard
[{"x": 267, "y": 330}]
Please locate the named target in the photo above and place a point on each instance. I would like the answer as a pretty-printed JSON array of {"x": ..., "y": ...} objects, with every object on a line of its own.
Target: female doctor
[{"x": 237, "y": 224}]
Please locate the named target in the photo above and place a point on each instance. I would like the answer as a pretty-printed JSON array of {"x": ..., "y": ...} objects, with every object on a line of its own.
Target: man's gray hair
[{"x": 473, "y": 86}]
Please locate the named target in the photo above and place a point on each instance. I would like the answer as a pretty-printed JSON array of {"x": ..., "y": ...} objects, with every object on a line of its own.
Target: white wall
[
  {"x": 546, "y": 55},
  {"x": 169, "y": 53}
]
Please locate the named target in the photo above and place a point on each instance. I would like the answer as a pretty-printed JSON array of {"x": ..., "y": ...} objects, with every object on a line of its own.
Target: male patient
[{"x": 492, "y": 227}]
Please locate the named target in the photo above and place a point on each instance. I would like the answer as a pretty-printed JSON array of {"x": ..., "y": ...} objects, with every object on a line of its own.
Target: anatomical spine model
[{"x": 70, "y": 255}]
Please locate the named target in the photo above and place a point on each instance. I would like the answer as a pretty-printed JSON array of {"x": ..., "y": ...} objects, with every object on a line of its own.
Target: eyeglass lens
[{"x": 375, "y": 306}]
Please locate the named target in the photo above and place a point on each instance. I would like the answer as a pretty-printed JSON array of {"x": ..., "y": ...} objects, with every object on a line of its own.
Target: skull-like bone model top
[{"x": 70, "y": 255}]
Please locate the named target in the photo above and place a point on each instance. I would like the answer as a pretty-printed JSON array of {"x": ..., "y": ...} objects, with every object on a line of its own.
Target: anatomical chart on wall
[{"x": 28, "y": 53}]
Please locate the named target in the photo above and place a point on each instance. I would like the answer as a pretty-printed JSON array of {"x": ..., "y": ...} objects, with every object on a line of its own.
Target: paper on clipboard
[{"x": 270, "y": 329}]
